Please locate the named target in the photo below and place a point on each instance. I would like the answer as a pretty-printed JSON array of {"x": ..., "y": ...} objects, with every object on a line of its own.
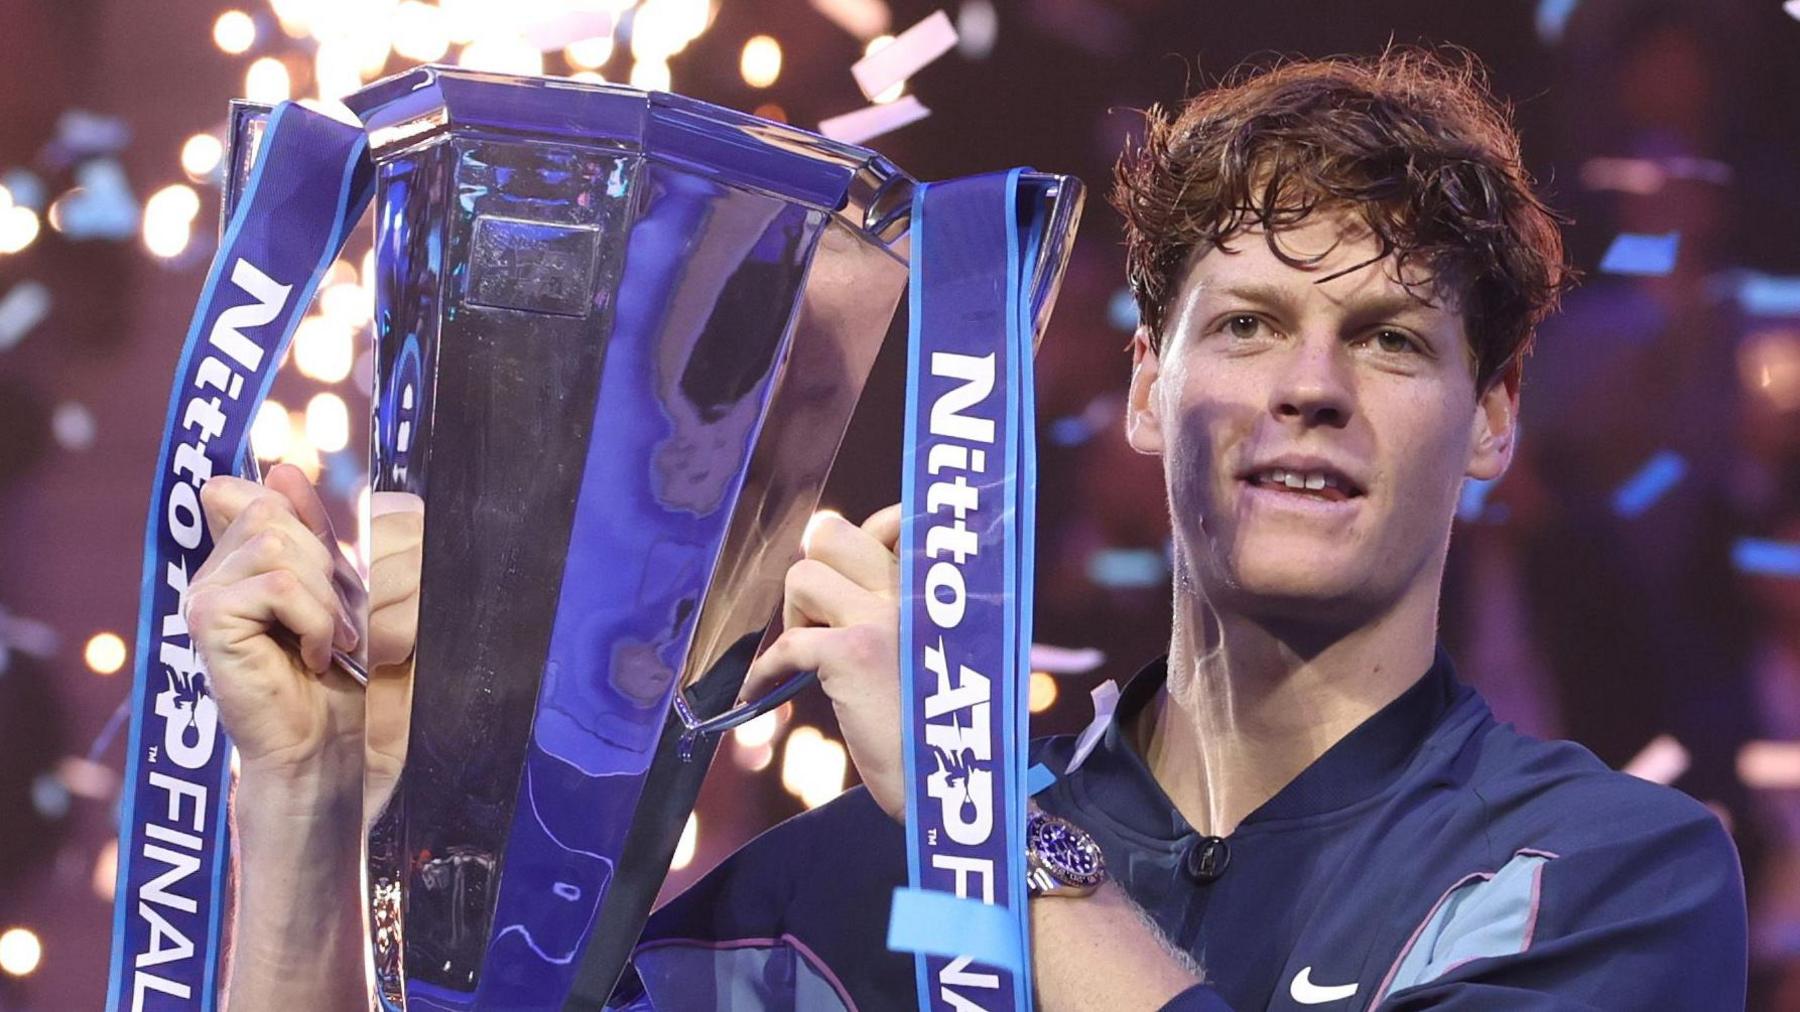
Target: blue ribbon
[
  {"x": 966, "y": 553},
  {"x": 311, "y": 181}
]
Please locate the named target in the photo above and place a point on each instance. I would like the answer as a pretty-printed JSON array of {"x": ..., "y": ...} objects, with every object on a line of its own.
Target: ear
[
  {"x": 1143, "y": 421},
  {"x": 1496, "y": 428}
]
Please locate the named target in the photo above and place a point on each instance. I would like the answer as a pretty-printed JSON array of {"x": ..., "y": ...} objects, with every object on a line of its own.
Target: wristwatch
[{"x": 1061, "y": 859}]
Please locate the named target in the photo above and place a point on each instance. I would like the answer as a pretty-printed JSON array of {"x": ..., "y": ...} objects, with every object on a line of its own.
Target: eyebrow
[{"x": 1383, "y": 306}]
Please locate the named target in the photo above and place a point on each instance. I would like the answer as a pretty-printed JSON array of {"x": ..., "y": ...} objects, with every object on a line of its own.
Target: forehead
[{"x": 1335, "y": 262}]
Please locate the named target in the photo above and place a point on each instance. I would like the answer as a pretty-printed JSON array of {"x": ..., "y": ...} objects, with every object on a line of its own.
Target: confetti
[
  {"x": 102, "y": 207},
  {"x": 977, "y": 28},
  {"x": 1065, "y": 660},
  {"x": 864, "y": 19},
  {"x": 1106, "y": 700},
  {"x": 1763, "y": 557},
  {"x": 865, "y": 124},
  {"x": 1767, "y": 294},
  {"x": 1662, "y": 761},
  {"x": 1642, "y": 255},
  {"x": 1127, "y": 568},
  {"x": 1793, "y": 9},
  {"x": 24, "y": 189},
  {"x": 1769, "y": 765},
  {"x": 81, "y": 133},
  {"x": 1641, "y": 491},
  {"x": 568, "y": 27},
  {"x": 1122, "y": 310},
  {"x": 911, "y": 51},
  {"x": 73, "y": 426},
  {"x": 1553, "y": 19},
  {"x": 23, "y": 308},
  {"x": 1472, "y": 504}
]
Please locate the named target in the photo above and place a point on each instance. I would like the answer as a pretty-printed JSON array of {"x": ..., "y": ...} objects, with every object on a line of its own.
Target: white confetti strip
[
  {"x": 1065, "y": 660},
  {"x": 1106, "y": 700},
  {"x": 911, "y": 51},
  {"x": 1663, "y": 761},
  {"x": 868, "y": 123},
  {"x": 22, "y": 309}
]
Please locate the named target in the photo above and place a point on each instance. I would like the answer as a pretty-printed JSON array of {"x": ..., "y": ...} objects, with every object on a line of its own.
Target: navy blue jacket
[{"x": 1432, "y": 858}]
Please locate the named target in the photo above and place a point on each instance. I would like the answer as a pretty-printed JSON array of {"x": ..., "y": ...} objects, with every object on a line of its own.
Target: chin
[{"x": 1305, "y": 589}]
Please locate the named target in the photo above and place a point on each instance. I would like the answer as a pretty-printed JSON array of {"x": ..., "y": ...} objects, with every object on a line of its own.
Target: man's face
[{"x": 1356, "y": 389}]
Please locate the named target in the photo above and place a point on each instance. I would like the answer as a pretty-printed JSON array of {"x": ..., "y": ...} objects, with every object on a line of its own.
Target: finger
[
  {"x": 267, "y": 511},
  {"x": 817, "y": 594},
  {"x": 395, "y": 533},
  {"x": 290, "y": 482},
  {"x": 273, "y": 551},
  {"x": 796, "y": 650},
  {"x": 394, "y": 578},
  {"x": 884, "y": 526},
  {"x": 222, "y": 498},
  {"x": 393, "y": 632},
  {"x": 220, "y": 616},
  {"x": 854, "y": 552}
]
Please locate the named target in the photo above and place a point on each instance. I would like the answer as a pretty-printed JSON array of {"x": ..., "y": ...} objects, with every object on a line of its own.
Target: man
[{"x": 1339, "y": 267}]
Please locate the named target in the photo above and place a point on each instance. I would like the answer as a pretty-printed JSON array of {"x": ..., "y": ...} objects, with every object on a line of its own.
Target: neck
[{"x": 1250, "y": 703}]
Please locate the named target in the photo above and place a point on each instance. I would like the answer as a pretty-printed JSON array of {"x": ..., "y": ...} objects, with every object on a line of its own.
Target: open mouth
[{"x": 1325, "y": 485}]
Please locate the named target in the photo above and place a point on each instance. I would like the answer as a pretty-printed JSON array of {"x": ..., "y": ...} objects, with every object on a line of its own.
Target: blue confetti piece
[
  {"x": 1122, "y": 310},
  {"x": 26, "y": 189},
  {"x": 1127, "y": 568},
  {"x": 1553, "y": 18},
  {"x": 1769, "y": 295},
  {"x": 103, "y": 208},
  {"x": 944, "y": 924},
  {"x": 1641, "y": 255},
  {"x": 1472, "y": 503},
  {"x": 1641, "y": 491},
  {"x": 1038, "y": 777},
  {"x": 1071, "y": 431},
  {"x": 1764, "y": 557},
  {"x": 86, "y": 133},
  {"x": 23, "y": 307}
]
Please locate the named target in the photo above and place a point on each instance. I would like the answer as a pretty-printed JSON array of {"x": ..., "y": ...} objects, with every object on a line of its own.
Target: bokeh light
[
  {"x": 105, "y": 653},
  {"x": 327, "y": 423},
  {"x": 267, "y": 81},
  {"x": 1043, "y": 692},
  {"x": 502, "y": 54},
  {"x": 200, "y": 156},
  {"x": 589, "y": 54},
  {"x": 169, "y": 219},
  {"x": 813, "y": 766},
  {"x": 234, "y": 32},
  {"x": 761, "y": 61},
  {"x": 324, "y": 349},
  {"x": 20, "y": 951},
  {"x": 18, "y": 227},
  {"x": 421, "y": 33},
  {"x": 270, "y": 434}
]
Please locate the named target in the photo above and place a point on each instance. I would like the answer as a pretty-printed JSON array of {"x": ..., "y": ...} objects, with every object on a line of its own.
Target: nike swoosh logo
[{"x": 1304, "y": 991}]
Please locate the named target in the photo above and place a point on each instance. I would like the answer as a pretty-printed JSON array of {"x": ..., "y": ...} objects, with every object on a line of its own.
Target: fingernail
[
  {"x": 382, "y": 503},
  {"x": 346, "y": 634}
]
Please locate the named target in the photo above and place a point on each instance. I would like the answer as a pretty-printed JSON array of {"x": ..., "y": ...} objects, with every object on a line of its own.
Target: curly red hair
[{"x": 1413, "y": 141}]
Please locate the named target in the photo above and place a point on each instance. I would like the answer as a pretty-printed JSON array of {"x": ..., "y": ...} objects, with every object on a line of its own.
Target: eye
[
  {"x": 1394, "y": 342},
  {"x": 1242, "y": 326}
]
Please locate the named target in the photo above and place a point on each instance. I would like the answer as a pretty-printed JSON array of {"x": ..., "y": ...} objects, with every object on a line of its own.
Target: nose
[{"x": 1312, "y": 388}]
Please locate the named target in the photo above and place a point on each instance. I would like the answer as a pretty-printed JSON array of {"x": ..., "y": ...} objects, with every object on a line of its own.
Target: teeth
[{"x": 1296, "y": 480}]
